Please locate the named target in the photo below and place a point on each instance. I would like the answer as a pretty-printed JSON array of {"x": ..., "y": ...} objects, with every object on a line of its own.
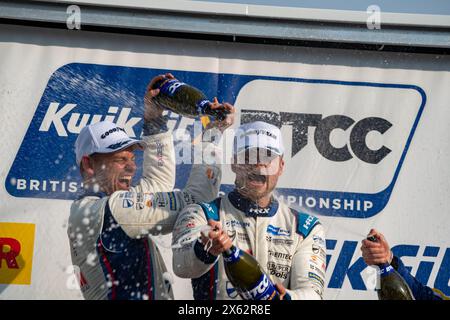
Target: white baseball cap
[
  {"x": 103, "y": 137},
  {"x": 260, "y": 135}
]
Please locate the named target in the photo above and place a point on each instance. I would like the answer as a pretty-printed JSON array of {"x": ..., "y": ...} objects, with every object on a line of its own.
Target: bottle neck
[
  {"x": 203, "y": 106},
  {"x": 232, "y": 255}
]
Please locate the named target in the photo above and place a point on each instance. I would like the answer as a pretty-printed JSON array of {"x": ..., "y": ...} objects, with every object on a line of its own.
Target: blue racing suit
[{"x": 420, "y": 291}]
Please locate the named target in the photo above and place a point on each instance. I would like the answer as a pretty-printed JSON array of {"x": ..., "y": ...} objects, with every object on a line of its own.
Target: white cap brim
[{"x": 121, "y": 145}]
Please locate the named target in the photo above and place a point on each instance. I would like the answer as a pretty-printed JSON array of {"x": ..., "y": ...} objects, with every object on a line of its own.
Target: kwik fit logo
[{"x": 76, "y": 96}]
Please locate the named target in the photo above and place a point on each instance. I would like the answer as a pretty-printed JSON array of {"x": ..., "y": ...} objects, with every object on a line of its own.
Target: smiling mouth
[
  {"x": 126, "y": 180},
  {"x": 256, "y": 178}
]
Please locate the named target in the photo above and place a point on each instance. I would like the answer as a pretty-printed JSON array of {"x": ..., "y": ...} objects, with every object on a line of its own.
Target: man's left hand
[
  {"x": 225, "y": 123},
  {"x": 281, "y": 290},
  {"x": 153, "y": 110}
]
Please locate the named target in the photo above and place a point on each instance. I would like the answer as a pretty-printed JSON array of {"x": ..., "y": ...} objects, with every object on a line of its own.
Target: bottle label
[
  {"x": 170, "y": 87},
  {"x": 234, "y": 257},
  {"x": 201, "y": 106},
  {"x": 385, "y": 269},
  {"x": 263, "y": 290}
]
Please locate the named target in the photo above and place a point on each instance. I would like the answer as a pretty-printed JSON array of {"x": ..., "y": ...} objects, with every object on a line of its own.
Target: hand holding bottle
[
  {"x": 378, "y": 252},
  {"x": 281, "y": 290},
  {"x": 217, "y": 240},
  {"x": 222, "y": 124},
  {"x": 153, "y": 110}
]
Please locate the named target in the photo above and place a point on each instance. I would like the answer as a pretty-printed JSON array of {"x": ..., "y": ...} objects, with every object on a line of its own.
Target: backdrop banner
[{"x": 367, "y": 144}]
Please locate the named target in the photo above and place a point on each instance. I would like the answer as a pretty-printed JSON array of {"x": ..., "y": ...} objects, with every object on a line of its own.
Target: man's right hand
[
  {"x": 281, "y": 290},
  {"x": 220, "y": 240},
  {"x": 375, "y": 253},
  {"x": 153, "y": 110}
]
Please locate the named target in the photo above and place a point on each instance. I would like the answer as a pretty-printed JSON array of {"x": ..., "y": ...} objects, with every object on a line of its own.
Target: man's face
[
  {"x": 257, "y": 173},
  {"x": 114, "y": 171}
]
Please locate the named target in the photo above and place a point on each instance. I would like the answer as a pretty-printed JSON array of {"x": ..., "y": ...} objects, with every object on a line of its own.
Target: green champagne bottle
[
  {"x": 392, "y": 285},
  {"x": 186, "y": 100},
  {"x": 247, "y": 276}
]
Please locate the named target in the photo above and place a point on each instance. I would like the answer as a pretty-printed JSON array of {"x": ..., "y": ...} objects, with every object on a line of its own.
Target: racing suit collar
[{"x": 250, "y": 208}]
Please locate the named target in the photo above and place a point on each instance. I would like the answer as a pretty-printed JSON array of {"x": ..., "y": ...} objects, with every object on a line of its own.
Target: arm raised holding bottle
[{"x": 376, "y": 251}]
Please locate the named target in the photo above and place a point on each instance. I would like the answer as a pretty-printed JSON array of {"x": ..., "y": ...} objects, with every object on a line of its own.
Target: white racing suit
[
  {"x": 289, "y": 246},
  {"x": 108, "y": 234}
]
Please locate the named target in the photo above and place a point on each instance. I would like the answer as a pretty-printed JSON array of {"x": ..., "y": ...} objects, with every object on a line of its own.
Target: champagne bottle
[
  {"x": 185, "y": 100},
  {"x": 247, "y": 276},
  {"x": 392, "y": 285}
]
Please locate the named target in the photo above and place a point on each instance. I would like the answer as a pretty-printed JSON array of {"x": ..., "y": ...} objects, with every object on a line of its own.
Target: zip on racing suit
[
  {"x": 108, "y": 234},
  {"x": 289, "y": 245}
]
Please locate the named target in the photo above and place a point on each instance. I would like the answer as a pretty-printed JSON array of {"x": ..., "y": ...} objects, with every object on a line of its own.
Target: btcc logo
[
  {"x": 334, "y": 130},
  {"x": 260, "y": 292},
  {"x": 324, "y": 126},
  {"x": 261, "y": 287}
]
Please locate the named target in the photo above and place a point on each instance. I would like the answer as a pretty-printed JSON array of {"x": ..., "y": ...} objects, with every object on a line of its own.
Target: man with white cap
[
  {"x": 289, "y": 245},
  {"x": 109, "y": 225}
]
